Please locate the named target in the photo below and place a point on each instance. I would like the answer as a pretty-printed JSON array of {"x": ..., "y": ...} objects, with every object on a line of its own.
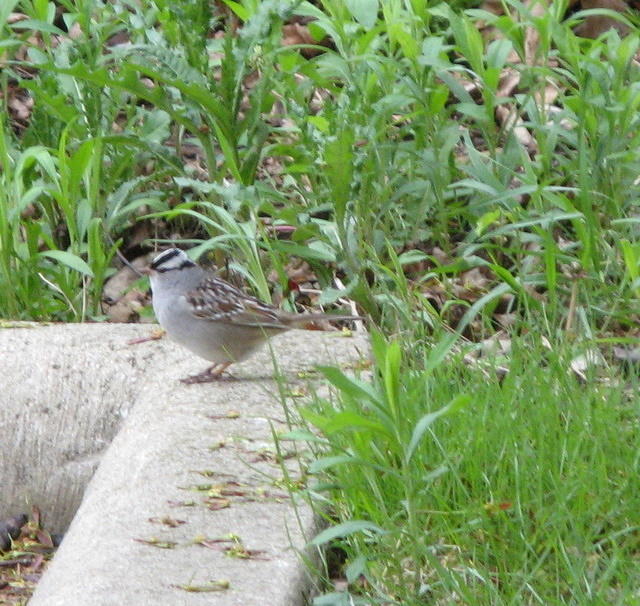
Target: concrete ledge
[
  {"x": 189, "y": 466},
  {"x": 65, "y": 391}
]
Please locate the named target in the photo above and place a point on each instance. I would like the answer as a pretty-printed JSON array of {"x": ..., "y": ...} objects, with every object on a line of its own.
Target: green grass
[
  {"x": 395, "y": 175},
  {"x": 457, "y": 486}
]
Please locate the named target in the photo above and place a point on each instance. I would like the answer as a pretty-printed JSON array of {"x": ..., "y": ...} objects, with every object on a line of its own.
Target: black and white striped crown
[{"x": 171, "y": 259}]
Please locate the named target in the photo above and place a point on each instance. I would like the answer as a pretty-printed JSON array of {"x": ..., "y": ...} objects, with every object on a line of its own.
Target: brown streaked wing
[{"x": 215, "y": 299}]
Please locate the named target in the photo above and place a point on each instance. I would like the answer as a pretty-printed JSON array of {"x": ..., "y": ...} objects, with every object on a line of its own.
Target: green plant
[{"x": 520, "y": 493}]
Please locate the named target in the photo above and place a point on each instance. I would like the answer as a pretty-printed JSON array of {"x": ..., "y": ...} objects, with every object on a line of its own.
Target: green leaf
[
  {"x": 329, "y": 295},
  {"x": 351, "y": 387},
  {"x": 238, "y": 9},
  {"x": 356, "y": 569},
  {"x": 433, "y": 50},
  {"x": 471, "y": 313},
  {"x": 339, "y": 159},
  {"x": 407, "y": 42},
  {"x": 515, "y": 284},
  {"x": 351, "y": 420},
  {"x": 6, "y": 7},
  {"x": 68, "y": 259},
  {"x": 317, "y": 420},
  {"x": 427, "y": 420},
  {"x": 440, "y": 350},
  {"x": 364, "y": 12},
  {"x": 469, "y": 41},
  {"x": 41, "y": 155},
  {"x": 335, "y": 598},
  {"x": 301, "y": 435},
  {"x": 320, "y": 122},
  {"x": 344, "y": 530},
  {"x": 327, "y": 462},
  {"x": 323, "y": 254},
  {"x": 38, "y": 26},
  {"x": 391, "y": 373},
  {"x": 156, "y": 125},
  {"x": 489, "y": 218},
  {"x": 79, "y": 161},
  {"x": 412, "y": 256}
]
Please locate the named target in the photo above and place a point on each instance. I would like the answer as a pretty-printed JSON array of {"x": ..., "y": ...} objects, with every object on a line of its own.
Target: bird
[{"x": 212, "y": 318}]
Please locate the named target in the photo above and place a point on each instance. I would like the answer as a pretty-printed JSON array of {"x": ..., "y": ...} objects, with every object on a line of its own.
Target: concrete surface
[
  {"x": 189, "y": 466},
  {"x": 64, "y": 391}
]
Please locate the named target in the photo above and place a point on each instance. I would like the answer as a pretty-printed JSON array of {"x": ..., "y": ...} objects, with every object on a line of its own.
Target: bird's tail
[{"x": 300, "y": 320}]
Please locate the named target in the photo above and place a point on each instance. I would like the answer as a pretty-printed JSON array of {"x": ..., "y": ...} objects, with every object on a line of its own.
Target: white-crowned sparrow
[{"x": 211, "y": 317}]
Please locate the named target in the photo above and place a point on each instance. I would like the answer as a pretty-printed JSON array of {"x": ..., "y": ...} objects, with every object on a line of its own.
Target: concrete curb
[{"x": 189, "y": 466}]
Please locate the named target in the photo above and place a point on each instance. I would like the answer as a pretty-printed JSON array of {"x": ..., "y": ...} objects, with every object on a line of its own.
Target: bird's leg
[
  {"x": 213, "y": 373},
  {"x": 217, "y": 369}
]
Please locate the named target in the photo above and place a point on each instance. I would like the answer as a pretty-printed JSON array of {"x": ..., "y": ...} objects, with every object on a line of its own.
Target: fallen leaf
[
  {"x": 216, "y": 503},
  {"x": 594, "y": 25},
  {"x": 182, "y": 503},
  {"x": 167, "y": 521},
  {"x": 157, "y": 543},
  {"x": 627, "y": 355},
  {"x": 206, "y": 587}
]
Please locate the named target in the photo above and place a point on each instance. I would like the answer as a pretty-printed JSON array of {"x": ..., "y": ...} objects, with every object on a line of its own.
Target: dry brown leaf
[
  {"x": 510, "y": 120},
  {"x": 16, "y": 18},
  {"x": 506, "y": 114},
  {"x": 208, "y": 587},
  {"x": 20, "y": 104},
  {"x": 155, "y": 542},
  {"x": 589, "y": 359},
  {"x": 471, "y": 284},
  {"x": 627, "y": 355},
  {"x": 167, "y": 521},
  {"x": 118, "y": 284},
  {"x": 216, "y": 503},
  {"x": 32, "y": 548},
  {"x": 120, "y": 302},
  {"x": 531, "y": 36},
  {"x": 594, "y": 25},
  {"x": 118, "y": 39},
  {"x": 127, "y": 308},
  {"x": 75, "y": 32},
  {"x": 297, "y": 33},
  {"x": 498, "y": 344}
]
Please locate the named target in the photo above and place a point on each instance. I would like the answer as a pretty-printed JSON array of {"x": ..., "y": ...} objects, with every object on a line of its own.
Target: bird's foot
[{"x": 213, "y": 373}]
